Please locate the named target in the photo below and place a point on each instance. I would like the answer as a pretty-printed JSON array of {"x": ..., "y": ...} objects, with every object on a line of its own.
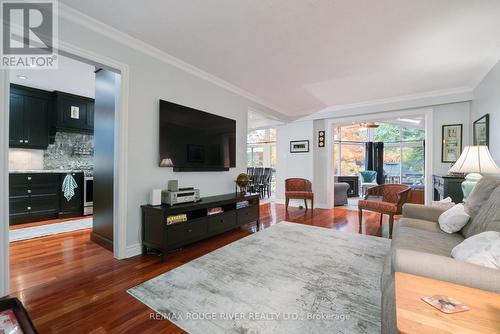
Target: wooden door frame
[{"x": 120, "y": 169}]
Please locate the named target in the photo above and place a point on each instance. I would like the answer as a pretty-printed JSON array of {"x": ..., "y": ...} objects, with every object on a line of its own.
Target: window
[
  {"x": 352, "y": 159},
  {"x": 403, "y": 151},
  {"x": 261, "y": 148},
  {"x": 349, "y": 150}
]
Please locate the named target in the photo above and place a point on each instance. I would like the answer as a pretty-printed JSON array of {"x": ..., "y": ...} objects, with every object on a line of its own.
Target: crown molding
[
  {"x": 453, "y": 95},
  {"x": 68, "y": 13}
]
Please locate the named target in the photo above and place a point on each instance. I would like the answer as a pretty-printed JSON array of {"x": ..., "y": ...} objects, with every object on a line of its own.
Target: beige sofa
[{"x": 419, "y": 247}]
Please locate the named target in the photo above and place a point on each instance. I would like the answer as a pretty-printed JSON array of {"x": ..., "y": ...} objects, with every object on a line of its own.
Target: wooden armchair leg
[
  {"x": 287, "y": 200},
  {"x": 391, "y": 223},
  {"x": 360, "y": 213},
  {"x": 381, "y": 218},
  {"x": 305, "y": 202},
  {"x": 312, "y": 204}
]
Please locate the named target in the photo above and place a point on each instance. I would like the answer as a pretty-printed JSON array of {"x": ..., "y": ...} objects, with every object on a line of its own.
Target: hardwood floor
[{"x": 71, "y": 285}]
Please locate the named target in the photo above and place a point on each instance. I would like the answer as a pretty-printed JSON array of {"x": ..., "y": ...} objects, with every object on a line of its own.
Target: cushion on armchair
[{"x": 368, "y": 176}]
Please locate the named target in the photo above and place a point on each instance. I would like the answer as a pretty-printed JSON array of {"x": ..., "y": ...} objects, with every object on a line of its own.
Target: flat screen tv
[{"x": 194, "y": 140}]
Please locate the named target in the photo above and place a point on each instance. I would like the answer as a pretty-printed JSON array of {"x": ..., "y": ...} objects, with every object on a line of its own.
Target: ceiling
[
  {"x": 259, "y": 120},
  {"x": 302, "y": 56},
  {"x": 71, "y": 76}
]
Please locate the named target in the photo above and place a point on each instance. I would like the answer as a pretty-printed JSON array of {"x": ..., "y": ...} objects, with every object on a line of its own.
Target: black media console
[{"x": 157, "y": 235}]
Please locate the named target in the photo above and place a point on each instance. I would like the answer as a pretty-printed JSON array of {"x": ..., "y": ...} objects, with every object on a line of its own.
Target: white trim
[
  {"x": 120, "y": 174},
  {"x": 121, "y": 143},
  {"x": 133, "y": 250},
  {"x": 4, "y": 183},
  {"x": 429, "y": 160},
  {"x": 413, "y": 101},
  {"x": 429, "y": 140},
  {"x": 90, "y": 23}
]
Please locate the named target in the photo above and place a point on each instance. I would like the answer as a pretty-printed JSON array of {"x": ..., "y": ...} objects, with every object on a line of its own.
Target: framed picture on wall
[
  {"x": 451, "y": 146},
  {"x": 299, "y": 146},
  {"x": 481, "y": 131}
]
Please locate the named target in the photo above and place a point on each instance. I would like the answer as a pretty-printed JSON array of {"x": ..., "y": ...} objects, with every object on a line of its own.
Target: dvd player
[{"x": 183, "y": 195}]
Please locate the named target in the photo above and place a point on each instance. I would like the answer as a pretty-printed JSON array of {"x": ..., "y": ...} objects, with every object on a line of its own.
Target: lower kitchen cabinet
[
  {"x": 38, "y": 196},
  {"x": 73, "y": 207}
]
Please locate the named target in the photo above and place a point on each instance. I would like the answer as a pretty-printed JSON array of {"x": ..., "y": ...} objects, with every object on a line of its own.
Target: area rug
[
  {"x": 289, "y": 278},
  {"x": 49, "y": 229}
]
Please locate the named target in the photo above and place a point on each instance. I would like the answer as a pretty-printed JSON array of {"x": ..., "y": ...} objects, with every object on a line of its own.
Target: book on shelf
[
  {"x": 214, "y": 211},
  {"x": 176, "y": 219},
  {"x": 242, "y": 204}
]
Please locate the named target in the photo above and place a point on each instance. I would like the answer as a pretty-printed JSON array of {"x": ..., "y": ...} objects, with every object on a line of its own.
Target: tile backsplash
[
  {"x": 62, "y": 154},
  {"x": 69, "y": 151},
  {"x": 23, "y": 159}
]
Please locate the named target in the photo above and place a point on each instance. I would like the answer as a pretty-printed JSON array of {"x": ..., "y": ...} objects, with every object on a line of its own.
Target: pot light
[{"x": 21, "y": 77}]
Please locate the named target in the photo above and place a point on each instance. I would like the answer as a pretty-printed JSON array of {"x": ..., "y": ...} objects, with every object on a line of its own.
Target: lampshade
[
  {"x": 475, "y": 159},
  {"x": 166, "y": 163}
]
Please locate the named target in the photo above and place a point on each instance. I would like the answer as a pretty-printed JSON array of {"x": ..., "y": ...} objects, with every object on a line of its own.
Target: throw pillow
[
  {"x": 488, "y": 217},
  {"x": 445, "y": 204},
  {"x": 452, "y": 220},
  {"x": 482, "y": 249},
  {"x": 480, "y": 193}
]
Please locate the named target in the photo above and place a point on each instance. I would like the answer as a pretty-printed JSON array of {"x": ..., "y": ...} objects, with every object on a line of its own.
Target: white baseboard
[{"x": 133, "y": 250}]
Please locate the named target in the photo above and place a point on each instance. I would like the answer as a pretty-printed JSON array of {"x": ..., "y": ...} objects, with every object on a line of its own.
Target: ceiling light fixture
[
  {"x": 370, "y": 125},
  {"x": 22, "y": 77}
]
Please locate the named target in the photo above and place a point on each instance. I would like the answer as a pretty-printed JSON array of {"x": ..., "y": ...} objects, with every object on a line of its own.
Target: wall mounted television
[{"x": 193, "y": 140}]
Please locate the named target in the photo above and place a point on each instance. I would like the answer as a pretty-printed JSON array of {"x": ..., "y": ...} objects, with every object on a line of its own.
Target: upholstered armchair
[
  {"x": 297, "y": 188},
  {"x": 386, "y": 199}
]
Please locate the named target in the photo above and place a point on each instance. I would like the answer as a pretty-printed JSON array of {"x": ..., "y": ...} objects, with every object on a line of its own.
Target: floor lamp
[{"x": 474, "y": 161}]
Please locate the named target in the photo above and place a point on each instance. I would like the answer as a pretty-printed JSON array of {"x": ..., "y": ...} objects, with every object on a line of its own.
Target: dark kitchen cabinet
[
  {"x": 38, "y": 196},
  {"x": 29, "y": 117},
  {"x": 74, "y": 113}
]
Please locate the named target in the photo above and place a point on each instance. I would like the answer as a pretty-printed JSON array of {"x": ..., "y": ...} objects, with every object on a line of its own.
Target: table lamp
[{"x": 474, "y": 161}]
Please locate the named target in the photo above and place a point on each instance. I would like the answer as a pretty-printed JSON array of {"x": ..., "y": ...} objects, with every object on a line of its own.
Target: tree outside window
[{"x": 403, "y": 151}]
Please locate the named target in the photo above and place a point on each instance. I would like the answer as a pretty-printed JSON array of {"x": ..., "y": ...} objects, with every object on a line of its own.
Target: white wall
[
  {"x": 293, "y": 164},
  {"x": 152, "y": 79},
  {"x": 453, "y": 113},
  {"x": 487, "y": 101}
]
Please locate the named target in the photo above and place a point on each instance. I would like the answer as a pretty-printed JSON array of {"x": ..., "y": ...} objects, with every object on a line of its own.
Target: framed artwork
[
  {"x": 481, "y": 131},
  {"x": 451, "y": 147},
  {"x": 299, "y": 146}
]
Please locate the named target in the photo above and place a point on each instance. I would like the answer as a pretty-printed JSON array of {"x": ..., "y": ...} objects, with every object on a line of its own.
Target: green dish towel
[{"x": 68, "y": 187}]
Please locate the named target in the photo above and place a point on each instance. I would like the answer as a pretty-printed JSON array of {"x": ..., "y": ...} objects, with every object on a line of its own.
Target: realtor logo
[{"x": 29, "y": 34}]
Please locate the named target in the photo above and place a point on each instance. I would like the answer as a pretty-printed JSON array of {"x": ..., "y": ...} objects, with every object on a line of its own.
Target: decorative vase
[{"x": 470, "y": 182}]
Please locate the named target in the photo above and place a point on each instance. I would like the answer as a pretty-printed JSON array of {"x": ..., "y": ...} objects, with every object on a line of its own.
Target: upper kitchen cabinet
[
  {"x": 29, "y": 117},
  {"x": 74, "y": 113}
]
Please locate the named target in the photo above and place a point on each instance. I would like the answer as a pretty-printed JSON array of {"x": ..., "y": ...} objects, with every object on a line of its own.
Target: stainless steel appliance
[{"x": 88, "y": 195}]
